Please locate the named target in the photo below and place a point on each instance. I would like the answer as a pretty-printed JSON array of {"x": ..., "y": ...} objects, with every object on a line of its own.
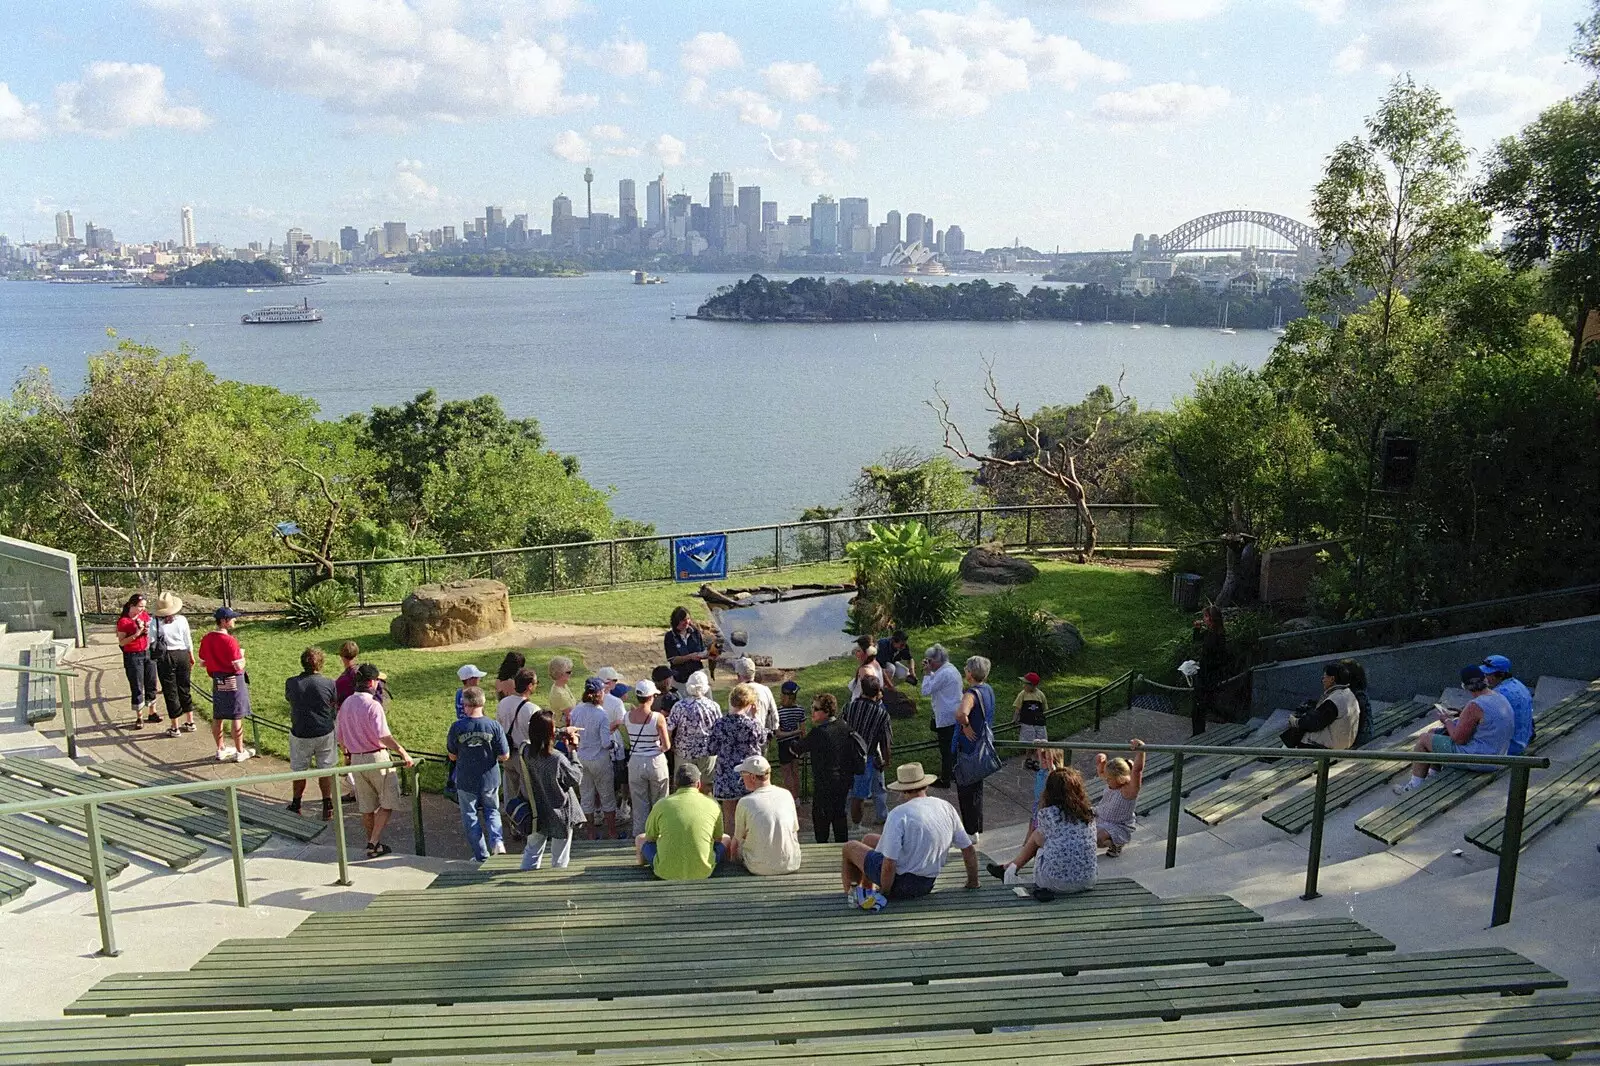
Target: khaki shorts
[{"x": 376, "y": 789}]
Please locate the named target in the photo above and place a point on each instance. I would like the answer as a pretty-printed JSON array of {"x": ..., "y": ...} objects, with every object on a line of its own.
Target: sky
[{"x": 1062, "y": 123}]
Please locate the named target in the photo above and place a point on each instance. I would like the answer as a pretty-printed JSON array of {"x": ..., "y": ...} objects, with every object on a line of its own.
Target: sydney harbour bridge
[{"x": 1235, "y": 230}]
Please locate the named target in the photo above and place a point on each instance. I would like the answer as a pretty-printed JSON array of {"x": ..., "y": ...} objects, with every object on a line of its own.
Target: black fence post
[
  {"x": 1505, "y": 882},
  {"x": 1174, "y": 809},
  {"x": 227, "y": 588},
  {"x": 1131, "y": 514},
  {"x": 361, "y": 585},
  {"x": 613, "y": 553},
  {"x": 1097, "y": 694},
  {"x": 1027, "y": 528},
  {"x": 1319, "y": 808}
]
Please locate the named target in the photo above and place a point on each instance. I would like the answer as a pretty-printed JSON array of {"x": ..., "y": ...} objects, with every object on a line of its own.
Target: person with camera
[
  {"x": 1483, "y": 727},
  {"x": 1332, "y": 721},
  {"x": 552, "y": 781},
  {"x": 133, "y": 637},
  {"x": 943, "y": 685}
]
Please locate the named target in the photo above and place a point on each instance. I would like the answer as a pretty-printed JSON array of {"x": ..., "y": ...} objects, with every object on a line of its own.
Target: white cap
[
  {"x": 755, "y": 764},
  {"x": 745, "y": 666},
  {"x": 468, "y": 672},
  {"x": 608, "y": 673},
  {"x": 645, "y": 687}
]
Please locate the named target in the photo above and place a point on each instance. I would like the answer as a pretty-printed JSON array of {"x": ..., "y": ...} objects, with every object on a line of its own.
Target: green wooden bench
[
  {"x": 751, "y": 1019},
  {"x": 267, "y": 815},
  {"x": 743, "y": 959},
  {"x": 1556, "y": 1025},
  {"x": 1196, "y": 773},
  {"x": 1442, "y": 791},
  {"x": 170, "y": 811},
  {"x": 1242, "y": 793},
  {"x": 38, "y": 843},
  {"x": 13, "y": 883},
  {"x": 1547, "y": 805},
  {"x": 1160, "y": 762},
  {"x": 173, "y": 849}
]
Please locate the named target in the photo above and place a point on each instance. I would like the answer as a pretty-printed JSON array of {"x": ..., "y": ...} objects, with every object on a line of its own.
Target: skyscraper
[
  {"x": 395, "y": 240},
  {"x": 769, "y": 214},
  {"x": 955, "y": 242},
  {"x": 186, "y": 226},
  {"x": 655, "y": 204},
  {"x": 588, "y": 191},
  {"x": 913, "y": 228},
  {"x": 563, "y": 227},
  {"x": 927, "y": 232},
  {"x": 825, "y": 225},
  {"x": 852, "y": 213},
  {"x": 64, "y": 231},
  {"x": 627, "y": 209},
  {"x": 349, "y": 239},
  {"x": 892, "y": 220},
  {"x": 748, "y": 215},
  {"x": 494, "y": 224},
  {"x": 720, "y": 207}
]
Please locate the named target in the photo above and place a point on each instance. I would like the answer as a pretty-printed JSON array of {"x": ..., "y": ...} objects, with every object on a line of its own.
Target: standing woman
[
  {"x": 974, "y": 717},
  {"x": 553, "y": 781},
  {"x": 561, "y": 699},
  {"x": 133, "y": 637},
  {"x": 648, "y": 744},
  {"x": 1213, "y": 662},
  {"x": 736, "y": 736},
  {"x": 223, "y": 659},
  {"x": 174, "y": 655}
]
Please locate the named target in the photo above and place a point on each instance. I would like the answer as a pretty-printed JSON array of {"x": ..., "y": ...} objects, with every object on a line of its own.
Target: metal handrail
[
  {"x": 1097, "y": 697},
  {"x": 63, "y": 696},
  {"x": 1505, "y": 885},
  {"x": 91, "y": 801}
]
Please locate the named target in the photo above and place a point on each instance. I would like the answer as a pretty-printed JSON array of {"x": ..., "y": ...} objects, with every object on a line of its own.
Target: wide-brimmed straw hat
[
  {"x": 909, "y": 777},
  {"x": 167, "y": 603}
]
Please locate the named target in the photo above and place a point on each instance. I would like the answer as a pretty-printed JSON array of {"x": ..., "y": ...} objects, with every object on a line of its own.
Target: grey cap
[{"x": 686, "y": 776}]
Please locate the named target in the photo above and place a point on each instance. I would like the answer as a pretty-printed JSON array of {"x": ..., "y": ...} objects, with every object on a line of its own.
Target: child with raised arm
[{"x": 1114, "y": 817}]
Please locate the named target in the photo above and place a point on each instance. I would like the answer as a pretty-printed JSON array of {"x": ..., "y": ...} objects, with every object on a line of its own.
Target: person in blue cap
[
  {"x": 1497, "y": 669},
  {"x": 1482, "y": 728},
  {"x": 791, "y": 744}
]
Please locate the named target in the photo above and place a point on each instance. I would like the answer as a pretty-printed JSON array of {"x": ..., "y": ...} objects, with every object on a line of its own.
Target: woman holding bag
[{"x": 973, "y": 744}]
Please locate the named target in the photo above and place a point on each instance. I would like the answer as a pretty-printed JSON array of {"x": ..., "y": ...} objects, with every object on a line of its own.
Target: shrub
[
  {"x": 320, "y": 605},
  {"x": 922, "y": 592},
  {"x": 1019, "y": 633},
  {"x": 887, "y": 546}
]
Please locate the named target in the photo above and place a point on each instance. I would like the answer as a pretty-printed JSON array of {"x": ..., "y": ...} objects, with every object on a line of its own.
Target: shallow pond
[{"x": 792, "y": 633}]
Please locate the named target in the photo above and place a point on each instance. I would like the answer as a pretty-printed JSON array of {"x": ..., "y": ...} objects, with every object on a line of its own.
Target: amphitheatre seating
[
  {"x": 130, "y": 834},
  {"x": 1158, "y": 763},
  {"x": 1547, "y": 805},
  {"x": 257, "y": 812},
  {"x": 1398, "y": 820},
  {"x": 1243, "y": 793},
  {"x": 38, "y": 843},
  {"x": 1196, "y": 773},
  {"x": 753, "y": 1019},
  {"x": 13, "y": 883},
  {"x": 170, "y": 811},
  {"x": 1347, "y": 782}
]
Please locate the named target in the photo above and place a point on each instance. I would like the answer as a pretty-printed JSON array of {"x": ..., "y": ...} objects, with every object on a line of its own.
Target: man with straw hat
[
  {"x": 172, "y": 647},
  {"x": 902, "y": 861}
]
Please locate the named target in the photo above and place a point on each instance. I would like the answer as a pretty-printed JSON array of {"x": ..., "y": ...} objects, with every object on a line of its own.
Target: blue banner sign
[{"x": 700, "y": 558}]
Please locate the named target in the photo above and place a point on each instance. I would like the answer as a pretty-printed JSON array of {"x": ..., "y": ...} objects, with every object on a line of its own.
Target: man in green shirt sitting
[{"x": 682, "y": 838}]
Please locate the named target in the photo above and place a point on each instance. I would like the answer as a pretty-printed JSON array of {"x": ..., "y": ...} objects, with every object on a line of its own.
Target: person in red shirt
[
  {"x": 133, "y": 637},
  {"x": 223, "y": 659}
]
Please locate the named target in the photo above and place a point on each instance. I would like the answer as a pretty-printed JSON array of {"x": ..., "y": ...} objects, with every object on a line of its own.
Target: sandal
[{"x": 378, "y": 851}]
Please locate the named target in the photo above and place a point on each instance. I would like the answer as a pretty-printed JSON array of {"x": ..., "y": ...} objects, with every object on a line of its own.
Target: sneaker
[
  {"x": 1113, "y": 850},
  {"x": 187, "y": 727},
  {"x": 150, "y": 714},
  {"x": 173, "y": 731},
  {"x": 243, "y": 755},
  {"x": 499, "y": 849},
  {"x": 1410, "y": 785},
  {"x": 1043, "y": 895},
  {"x": 224, "y": 755},
  {"x": 854, "y": 897},
  {"x": 997, "y": 871},
  {"x": 873, "y": 902},
  {"x": 327, "y": 810}
]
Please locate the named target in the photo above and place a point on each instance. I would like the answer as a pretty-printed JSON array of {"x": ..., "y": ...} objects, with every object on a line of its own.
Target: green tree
[
  {"x": 905, "y": 481},
  {"x": 1546, "y": 183},
  {"x": 1115, "y": 432},
  {"x": 508, "y": 496}
]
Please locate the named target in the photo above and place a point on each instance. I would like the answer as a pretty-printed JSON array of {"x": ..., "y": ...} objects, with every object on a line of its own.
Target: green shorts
[{"x": 1443, "y": 745}]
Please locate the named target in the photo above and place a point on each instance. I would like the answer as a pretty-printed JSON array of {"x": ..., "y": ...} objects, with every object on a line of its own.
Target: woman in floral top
[
  {"x": 1064, "y": 841},
  {"x": 689, "y": 723},
  {"x": 736, "y": 736}
]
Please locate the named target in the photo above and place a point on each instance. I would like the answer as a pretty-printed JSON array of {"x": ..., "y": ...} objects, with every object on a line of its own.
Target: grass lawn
[{"x": 1124, "y": 615}]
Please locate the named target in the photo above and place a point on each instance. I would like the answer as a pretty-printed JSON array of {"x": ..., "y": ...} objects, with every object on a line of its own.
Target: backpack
[
  {"x": 519, "y": 812},
  {"x": 858, "y": 752}
]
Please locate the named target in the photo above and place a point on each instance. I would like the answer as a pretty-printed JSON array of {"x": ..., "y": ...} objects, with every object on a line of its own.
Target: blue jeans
[
  {"x": 869, "y": 785},
  {"x": 480, "y": 816}
]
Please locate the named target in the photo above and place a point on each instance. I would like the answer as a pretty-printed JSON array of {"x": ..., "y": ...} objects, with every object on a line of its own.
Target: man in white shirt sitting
[
  {"x": 766, "y": 830},
  {"x": 903, "y": 860}
]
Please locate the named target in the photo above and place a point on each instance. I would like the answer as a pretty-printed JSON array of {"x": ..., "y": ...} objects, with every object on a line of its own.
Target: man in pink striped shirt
[{"x": 363, "y": 732}]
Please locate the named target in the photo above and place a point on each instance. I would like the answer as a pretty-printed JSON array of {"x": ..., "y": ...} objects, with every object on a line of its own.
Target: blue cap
[
  {"x": 593, "y": 685},
  {"x": 791, "y": 687},
  {"x": 1472, "y": 676},
  {"x": 1496, "y": 664},
  {"x": 622, "y": 692},
  {"x": 224, "y": 612}
]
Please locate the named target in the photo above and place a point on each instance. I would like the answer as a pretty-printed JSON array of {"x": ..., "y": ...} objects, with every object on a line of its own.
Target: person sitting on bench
[
  {"x": 1482, "y": 728},
  {"x": 682, "y": 839},
  {"x": 1332, "y": 722},
  {"x": 902, "y": 862}
]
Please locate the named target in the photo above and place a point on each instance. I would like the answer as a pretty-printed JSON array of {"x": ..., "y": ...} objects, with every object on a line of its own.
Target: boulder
[
  {"x": 436, "y": 615},
  {"x": 1067, "y": 636},
  {"x": 989, "y": 565}
]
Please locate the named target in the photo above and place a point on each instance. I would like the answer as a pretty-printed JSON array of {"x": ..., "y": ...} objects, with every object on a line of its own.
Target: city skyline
[{"x": 1072, "y": 124}]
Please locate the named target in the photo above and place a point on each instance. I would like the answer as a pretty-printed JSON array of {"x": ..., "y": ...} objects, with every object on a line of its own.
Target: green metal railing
[
  {"x": 1099, "y": 699},
  {"x": 63, "y": 697},
  {"x": 1516, "y": 796},
  {"x": 91, "y": 802}
]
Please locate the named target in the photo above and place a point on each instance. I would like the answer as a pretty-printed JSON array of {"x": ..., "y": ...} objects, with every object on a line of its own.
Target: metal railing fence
[
  {"x": 586, "y": 565},
  {"x": 1516, "y": 796},
  {"x": 63, "y": 697},
  {"x": 91, "y": 803}
]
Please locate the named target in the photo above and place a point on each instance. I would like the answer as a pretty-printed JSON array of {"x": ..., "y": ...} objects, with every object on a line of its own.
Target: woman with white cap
[
  {"x": 172, "y": 646},
  {"x": 691, "y": 721},
  {"x": 648, "y": 744}
]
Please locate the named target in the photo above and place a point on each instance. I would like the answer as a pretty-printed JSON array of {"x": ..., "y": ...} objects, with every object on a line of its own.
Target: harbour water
[{"x": 694, "y": 425}]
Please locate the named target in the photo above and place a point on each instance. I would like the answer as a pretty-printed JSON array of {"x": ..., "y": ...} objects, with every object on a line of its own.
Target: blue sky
[{"x": 1063, "y": 122}]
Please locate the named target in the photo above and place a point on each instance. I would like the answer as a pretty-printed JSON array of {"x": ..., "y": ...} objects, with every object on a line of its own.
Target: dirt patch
[{"x": 633, "y": 650}]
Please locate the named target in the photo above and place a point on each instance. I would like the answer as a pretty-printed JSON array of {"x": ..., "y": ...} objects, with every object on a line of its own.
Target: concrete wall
[
  {"x": 1568, "y": 648},
  {"x": 39, "y": 590},
  {"x": 1287, "y": 573}
]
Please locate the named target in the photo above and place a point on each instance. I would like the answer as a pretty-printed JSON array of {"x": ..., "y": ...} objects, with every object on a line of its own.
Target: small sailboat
[
  {"x": 1164, "y": 323},
  {"x": 1277, "y": 323},
  {"x": 1135, "y": 323},
  {"x": 1226, "y": 329},
  {"x": 1108, "y": 312}
]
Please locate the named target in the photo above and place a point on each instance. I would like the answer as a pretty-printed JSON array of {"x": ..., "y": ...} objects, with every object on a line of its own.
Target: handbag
[{"x": 978, "y": 762}]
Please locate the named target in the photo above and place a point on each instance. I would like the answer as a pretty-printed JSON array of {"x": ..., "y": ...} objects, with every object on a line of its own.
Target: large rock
[
  {"x": 436, "y": 615},
  {"x": 990, "y": 566},
  {"x": 1067, "y": 636}
]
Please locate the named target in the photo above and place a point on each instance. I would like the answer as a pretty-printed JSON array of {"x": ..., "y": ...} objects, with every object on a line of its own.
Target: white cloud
[
  {"x": 624, "y": 57},
  {"x": 570, "y": 146},
  {"x": 1352, "y": 57},
  {"x": 802, "y": 157},
  {"x": 1515, "y": 94},
  {"x": 671, "y": 151},
  {"x": 622, "y": 151},
  {"x": 795, "y": 82},
  {"x": 1138, "y": 11},
  {"x": 112, "y": 98},
  {"x": 386, "y": 63},
  {"x": 1326, "y": 12},
  {"x": 807, "y": 123},
  {"x": 1434, "y": 33},
  {"x": 409, "y": 186},
  {"x": 707, "y": 52},
  {"x": 18, "y": 121},
  {"x": 1166, "y": 102},
  {"x": 957, "y": 63},
  {"x": 845, "y": 150},
  {"x": 753, "y": 108},
  {"x": 607, "y": 133}
]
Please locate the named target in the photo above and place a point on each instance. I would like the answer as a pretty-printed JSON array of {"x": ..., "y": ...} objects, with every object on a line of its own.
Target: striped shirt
[{"x": 869, "y": 719}]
